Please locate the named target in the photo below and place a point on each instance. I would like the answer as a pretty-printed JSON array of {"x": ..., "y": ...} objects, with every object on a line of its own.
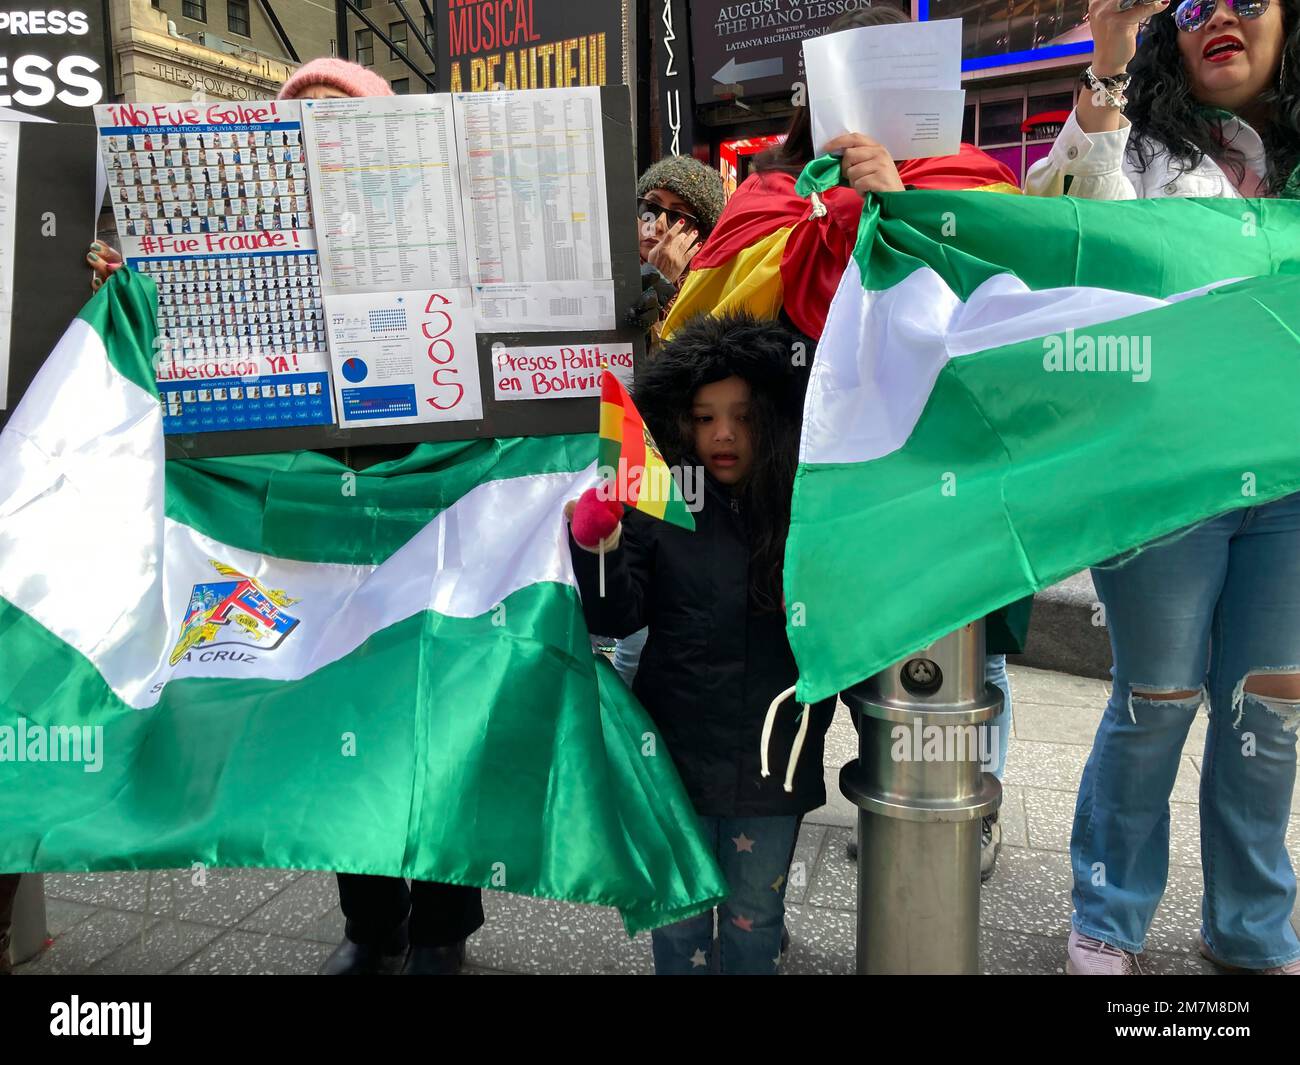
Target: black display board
[
  {"x": 541, "y": 44},
  {"x": 54, "y": 224},
  {"x": 536, "y": 417},
  {"x": 755, "y": 48},
  {"x": 54, "y": 59}
]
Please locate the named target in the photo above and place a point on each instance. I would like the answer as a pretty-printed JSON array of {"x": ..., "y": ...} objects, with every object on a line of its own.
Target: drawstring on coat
[{"x": 797, "y": 749}]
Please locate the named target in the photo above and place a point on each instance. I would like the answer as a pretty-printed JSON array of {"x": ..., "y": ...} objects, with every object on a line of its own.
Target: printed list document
[
  {"x": 898, "y": 84},
  {"x": 386, "y": 180},
  {"x": 387, "y": 193},
  {"x": 8, "y": 205},
  {"x": 533, "y": 173}
]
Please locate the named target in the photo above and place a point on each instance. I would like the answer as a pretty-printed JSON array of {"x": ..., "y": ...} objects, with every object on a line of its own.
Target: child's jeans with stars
[{"x": 754, "y": 854}]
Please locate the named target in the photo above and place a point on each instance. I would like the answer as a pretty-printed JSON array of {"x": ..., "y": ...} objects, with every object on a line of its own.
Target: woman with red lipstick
[
  {"x": 724, "y": 395},
  {"x": 1206, "y": 104}
]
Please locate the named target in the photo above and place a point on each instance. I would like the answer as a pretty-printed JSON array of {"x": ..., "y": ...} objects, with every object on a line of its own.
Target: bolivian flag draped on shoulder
[
  {"x": 1009, "y": 389},
  {"x": 273, "y": 661}
]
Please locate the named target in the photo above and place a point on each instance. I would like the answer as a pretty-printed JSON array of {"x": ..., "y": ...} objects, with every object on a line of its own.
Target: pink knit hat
[{"x": 351, "y": 78}]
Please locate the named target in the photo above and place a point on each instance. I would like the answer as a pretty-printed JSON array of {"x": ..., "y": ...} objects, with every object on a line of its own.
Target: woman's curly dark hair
[
  {"x": 775, "y": 362},
  {"x": 1166, "y": 115}
]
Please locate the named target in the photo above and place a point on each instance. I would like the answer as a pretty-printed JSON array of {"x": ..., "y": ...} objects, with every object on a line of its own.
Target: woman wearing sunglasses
[
  {"x": 1206, "y": 104},
  {"x": 678, "y": 201}
]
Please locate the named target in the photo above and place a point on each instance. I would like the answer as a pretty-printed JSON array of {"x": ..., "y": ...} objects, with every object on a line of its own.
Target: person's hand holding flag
[
  {"x": 633, "y": 472},
  {"x": 595, "y": 521}
]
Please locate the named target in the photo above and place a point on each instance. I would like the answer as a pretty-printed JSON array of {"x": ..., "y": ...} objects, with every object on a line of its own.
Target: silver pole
[
  {"x": 920, "y": 791},
  {"x": 30, "y": 932}
]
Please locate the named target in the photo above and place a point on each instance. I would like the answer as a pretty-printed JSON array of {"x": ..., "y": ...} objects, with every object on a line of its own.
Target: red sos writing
[{"x": 441, "y": 351}]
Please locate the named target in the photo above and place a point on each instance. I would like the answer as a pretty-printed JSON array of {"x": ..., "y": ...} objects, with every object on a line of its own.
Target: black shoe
[
  {"x": 435, "y": 961},
  {"x": 852, "y": 849},
  {"x": 360, "y": 959}
]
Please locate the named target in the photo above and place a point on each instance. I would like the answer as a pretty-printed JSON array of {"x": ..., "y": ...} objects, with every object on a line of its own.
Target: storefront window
[
  {"x": 997, "y": 125},
  {"x": 1056, "y": 101},
  {"x": 1000, "y": 121}
]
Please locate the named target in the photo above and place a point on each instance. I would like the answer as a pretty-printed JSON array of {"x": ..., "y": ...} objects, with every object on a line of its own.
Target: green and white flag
[
  {"x": 1009, "y": 389},
  {"x": 273, "y": 661}
]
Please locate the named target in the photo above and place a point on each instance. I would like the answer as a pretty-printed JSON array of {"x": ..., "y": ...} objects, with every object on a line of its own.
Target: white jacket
[{"x": 1100, "y": 167}]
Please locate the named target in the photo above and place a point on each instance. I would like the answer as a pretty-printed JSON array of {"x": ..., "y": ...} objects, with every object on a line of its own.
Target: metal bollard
[
  {"x": 920, "y": 791},
  {"x": 30, "y": 933}
]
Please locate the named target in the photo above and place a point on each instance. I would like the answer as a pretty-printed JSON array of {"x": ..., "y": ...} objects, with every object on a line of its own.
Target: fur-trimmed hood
[{"x": 772, "y": 358}]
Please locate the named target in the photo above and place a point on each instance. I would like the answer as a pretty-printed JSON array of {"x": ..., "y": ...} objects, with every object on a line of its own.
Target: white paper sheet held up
[{"x": 898, "y": 84}]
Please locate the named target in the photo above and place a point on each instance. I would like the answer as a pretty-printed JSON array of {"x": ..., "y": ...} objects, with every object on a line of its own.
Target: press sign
[{"x": 52, "y": 60}]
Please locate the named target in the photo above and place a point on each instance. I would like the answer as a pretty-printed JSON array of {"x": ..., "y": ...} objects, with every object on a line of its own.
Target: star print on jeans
[
  {"x": 743, "y": 843},
  {"x": 699, "y": 959},
  {"x": 745, "y": 924},
  {"x": 776, "y": 884}
]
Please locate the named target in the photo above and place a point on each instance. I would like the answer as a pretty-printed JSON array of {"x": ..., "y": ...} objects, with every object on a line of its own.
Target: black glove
[{"x": 656, "y": 293}]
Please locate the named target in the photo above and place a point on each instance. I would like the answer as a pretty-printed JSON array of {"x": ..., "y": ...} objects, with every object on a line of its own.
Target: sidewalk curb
[{"x": 1063, "y": 634}]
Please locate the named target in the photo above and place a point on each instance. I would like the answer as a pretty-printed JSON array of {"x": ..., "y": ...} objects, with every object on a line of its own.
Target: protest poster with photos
[
  {"x": 212, "y": 203},
  {"x": 349, "y": 269}
]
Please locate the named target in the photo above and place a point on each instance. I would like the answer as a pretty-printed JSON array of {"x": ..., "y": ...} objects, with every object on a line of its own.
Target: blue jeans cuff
[{"x": 1109, "y": 938}]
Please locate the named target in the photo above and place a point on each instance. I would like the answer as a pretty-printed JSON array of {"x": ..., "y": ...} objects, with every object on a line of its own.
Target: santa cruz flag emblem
[{"x": 235, "y": 610}]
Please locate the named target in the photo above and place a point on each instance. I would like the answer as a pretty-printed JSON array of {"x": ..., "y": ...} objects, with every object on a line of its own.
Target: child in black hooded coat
[{"x": 726, "y": 394}]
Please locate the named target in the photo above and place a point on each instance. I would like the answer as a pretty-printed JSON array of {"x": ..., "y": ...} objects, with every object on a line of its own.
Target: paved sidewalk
[{"x": 261, "y": 921}]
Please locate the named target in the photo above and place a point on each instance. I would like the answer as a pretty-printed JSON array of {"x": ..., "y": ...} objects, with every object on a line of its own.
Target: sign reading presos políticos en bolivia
[
  {"x": 53, "y": 60},
  {"x": 529, "y": 44}
]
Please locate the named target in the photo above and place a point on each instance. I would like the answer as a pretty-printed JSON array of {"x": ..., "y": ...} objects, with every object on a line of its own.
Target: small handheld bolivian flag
[{"x": 630, "y": 462}]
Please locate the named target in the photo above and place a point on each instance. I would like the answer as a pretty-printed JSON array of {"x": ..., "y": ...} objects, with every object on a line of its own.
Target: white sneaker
[{"x": 1091, "y": 957}]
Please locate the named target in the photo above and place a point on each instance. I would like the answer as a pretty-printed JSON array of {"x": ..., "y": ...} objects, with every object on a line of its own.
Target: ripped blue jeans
[{"x": 1198, "y": 611}]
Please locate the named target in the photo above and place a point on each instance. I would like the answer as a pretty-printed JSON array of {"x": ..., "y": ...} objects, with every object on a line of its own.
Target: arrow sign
[{"x": 734, "y": 73}]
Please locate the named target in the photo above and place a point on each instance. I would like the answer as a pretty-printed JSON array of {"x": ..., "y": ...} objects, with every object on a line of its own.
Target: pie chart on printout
[{"x": 355, "y": 370}]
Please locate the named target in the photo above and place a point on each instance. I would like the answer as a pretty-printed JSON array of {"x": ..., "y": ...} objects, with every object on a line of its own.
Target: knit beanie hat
[
  {"x": 350, "y": 78},
  {"x": 687, "y": 177}
]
